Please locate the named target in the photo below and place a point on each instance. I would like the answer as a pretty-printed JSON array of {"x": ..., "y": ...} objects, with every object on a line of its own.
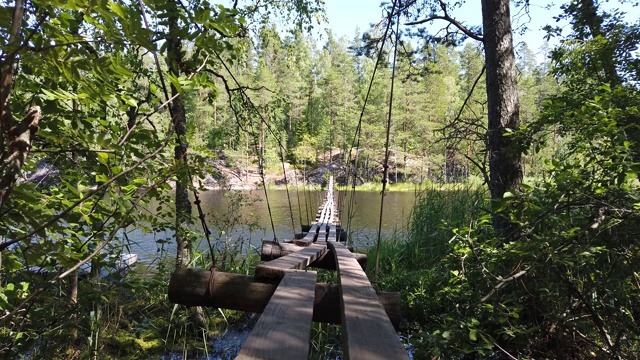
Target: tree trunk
[
  {"x": 73, "y": 300},
  {"x": 183, "y": 205},
  {"x": 502, "y": 102},
  {"x": 179, "y": 120}
]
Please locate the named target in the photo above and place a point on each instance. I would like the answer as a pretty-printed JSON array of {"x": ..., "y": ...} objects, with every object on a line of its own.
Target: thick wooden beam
[
  {"x": 271, "y": 251},
  {"x": 284, "y": 328},
  {"x": 246, "y": 293}
]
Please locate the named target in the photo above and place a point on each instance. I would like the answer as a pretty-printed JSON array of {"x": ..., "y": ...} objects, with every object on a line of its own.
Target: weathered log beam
[
  {"x": 271, "y": 250},
  {"x": 246, "y": 293}
]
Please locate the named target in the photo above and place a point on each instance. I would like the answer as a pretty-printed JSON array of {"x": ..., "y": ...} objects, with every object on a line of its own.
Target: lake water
[{"x": 229, "y": 221}]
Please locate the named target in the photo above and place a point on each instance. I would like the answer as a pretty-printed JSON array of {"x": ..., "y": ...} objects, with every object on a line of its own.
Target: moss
[
  {"x": 123, "y": 343},
  {"x": 149, "y": 345}
]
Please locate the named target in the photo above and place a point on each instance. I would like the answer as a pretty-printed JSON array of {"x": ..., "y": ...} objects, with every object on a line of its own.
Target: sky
[{"x": 345, "y": 16}]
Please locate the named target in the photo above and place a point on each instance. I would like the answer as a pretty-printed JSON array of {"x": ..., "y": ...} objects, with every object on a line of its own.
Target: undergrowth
[{"x": 564, "y": 286}]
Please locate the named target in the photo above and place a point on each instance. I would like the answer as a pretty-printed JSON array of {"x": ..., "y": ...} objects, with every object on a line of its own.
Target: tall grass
[{"x": 436, "y": 213}]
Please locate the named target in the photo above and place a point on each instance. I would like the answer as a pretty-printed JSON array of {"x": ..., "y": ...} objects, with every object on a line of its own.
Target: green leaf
[
  {"x": 103, "y": 158},
  {"x": 101, "y": 178}
]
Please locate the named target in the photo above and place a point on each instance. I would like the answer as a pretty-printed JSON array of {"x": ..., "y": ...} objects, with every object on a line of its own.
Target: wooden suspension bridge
[{"x": 290, "y": 299}]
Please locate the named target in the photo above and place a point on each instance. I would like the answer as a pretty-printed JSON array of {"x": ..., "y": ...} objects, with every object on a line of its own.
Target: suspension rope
[
  {"x": 356, "y": 138},
  {"x": 385, "y": 166},
  {"x": 286, "y": 186},
  {"x": 255, "y": 109},
  {"x": 264, "y": 184},
  {"x": 259, "y": 153},
  {"x": 295, "y": 179},
  {"x": 305, "y": 190},
  {"x": 246, "y": 98}
]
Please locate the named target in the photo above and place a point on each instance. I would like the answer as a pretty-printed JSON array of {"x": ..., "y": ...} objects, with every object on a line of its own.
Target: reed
[
  {"x": 436, "y": 214},
  {"x": 427, "y": 239}
]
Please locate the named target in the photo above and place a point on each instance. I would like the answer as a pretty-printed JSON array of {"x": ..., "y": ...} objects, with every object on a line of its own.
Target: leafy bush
[{"x": 565, "y": 286}]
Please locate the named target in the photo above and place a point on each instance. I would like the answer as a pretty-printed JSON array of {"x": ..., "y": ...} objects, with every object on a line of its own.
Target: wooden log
[
  {"x": 246, "y": 293},
  {"x": 367, "y": 332},
  {"x": 284, "y": 328},
  {"x": 271, "y": 250}
]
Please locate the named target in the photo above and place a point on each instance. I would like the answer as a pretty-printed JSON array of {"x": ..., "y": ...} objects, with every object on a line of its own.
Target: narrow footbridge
[{"x": 290, "y": 299}]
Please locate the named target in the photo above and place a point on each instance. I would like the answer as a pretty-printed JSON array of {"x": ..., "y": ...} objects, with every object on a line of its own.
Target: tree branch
[
  {"x": 452, "y": 21},
  {"x": 504, "y": 282},
  {"x": 62, "y": 151},
  {"x": 97, "y": 251},
  {"x": 25, "y": 43},
  {"x": 90, "y": 194}
]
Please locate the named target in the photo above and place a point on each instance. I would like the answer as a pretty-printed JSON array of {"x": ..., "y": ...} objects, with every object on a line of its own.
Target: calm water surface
[{"x": 229, "y": 222}]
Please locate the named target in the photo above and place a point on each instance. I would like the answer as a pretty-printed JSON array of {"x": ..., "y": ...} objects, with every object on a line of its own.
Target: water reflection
[{"x": 249, "y": 220}]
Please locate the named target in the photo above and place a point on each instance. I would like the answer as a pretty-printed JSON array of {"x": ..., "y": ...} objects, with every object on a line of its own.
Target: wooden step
[
  {"x": 284, "y": 328},
  {"x": 271, "y": 251},
  {"x": 309, "y": 238},
  {"x": 322, "y": 234},
  {"x": 276, "y": 269},
  {"x": 333, "y": 233}
]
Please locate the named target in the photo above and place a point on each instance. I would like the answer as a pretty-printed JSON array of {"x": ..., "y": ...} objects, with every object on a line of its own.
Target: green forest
[{"x": 523, "y": 242}]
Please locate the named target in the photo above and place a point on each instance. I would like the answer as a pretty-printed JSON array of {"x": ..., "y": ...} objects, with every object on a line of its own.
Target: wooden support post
[{"x": 246, "y": 293}]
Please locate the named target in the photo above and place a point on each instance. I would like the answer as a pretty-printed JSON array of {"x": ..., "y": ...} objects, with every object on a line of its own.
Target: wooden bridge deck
[{"x": 284, "y": 328}]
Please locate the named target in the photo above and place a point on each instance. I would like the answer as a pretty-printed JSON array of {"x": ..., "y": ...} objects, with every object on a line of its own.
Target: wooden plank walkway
[
  {"x": 283, "y": 329},
  {"x": 309, "y": 238},
  {"x": 286, "y": 293}
]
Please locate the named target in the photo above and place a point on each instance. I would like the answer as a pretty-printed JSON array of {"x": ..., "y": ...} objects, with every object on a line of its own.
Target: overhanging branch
[{"x": 452, "y": 21}]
